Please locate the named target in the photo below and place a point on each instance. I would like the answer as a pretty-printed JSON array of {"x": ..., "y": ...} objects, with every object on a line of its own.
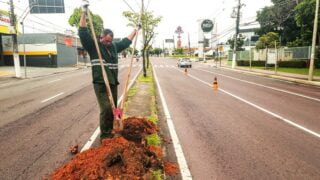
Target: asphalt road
[
  {"x": 42, "y": 118},
  {"x": 252, "y": 128}
]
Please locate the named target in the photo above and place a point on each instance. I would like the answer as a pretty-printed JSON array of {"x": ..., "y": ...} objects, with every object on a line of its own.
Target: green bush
[
  {"x": 289, "y": 64},
  {"x": 253, "y": 63},
  {"x": 292, "y": 64}
]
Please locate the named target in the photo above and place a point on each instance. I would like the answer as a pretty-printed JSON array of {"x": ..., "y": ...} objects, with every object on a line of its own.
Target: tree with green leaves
[
  {"x": 179, "y": 51},
  {"x": 157, "y": 51},
  {"x": 268, "y": 40},
  {"x": 304, "y": 17},
  {"x": 130, "y": 49},
  {"x": 149, "y": 23},
  {"x": 279, "y": 18},
  {"x": 74, "y": 20},
  {"x": 240, "y": 42}
]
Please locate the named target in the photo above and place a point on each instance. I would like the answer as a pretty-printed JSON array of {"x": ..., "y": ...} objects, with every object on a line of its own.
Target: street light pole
[
  {"x": 76, "y": 47},
  {"x": 314, "y": 38},
  {"x": 23, "y": 16},
  {"x": 234, "y": 57},
  {"x": 16, "y": 58},
  {"x": 24, "y": 51}
]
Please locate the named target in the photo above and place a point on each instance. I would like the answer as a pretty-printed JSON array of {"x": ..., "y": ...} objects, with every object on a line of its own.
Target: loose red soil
[
  {"x": 119, "y": 157},
  {"x": 115, "y": 158},
  {"x": 135, "y": 129},
  {"x": 171, "y": 168},
  {"x": 156, "y": 150}
]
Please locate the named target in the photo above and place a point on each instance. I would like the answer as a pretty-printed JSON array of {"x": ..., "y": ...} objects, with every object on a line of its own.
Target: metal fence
[{"x": 271, "y": 54}]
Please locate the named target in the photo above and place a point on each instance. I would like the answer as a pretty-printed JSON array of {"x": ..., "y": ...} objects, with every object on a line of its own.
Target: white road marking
[
  {"x": 262, "y": 109},
  {"x": 269, "y": 87},
  {"x": 54, "y": 81},
  {"x": 184, "y": 169},
  {"x": 96, "y": 133},
  {"x": 46, "y": 100}
]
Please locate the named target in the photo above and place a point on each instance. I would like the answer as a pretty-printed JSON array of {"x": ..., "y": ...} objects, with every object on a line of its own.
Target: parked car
[{"x": 184, "y": 62}]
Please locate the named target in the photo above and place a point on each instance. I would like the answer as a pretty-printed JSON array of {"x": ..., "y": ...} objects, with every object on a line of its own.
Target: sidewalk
[
  {"x": 7, "y": 73},
  {"x": 297, "y": 78}
]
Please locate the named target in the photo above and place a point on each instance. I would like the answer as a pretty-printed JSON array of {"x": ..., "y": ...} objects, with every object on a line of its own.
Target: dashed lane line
[
  {"x": 269, "y": 87},
  {"x": 54, "y": 81},
  {"x": 261, "y": 108},
  {"x": 50, "y": 98}
]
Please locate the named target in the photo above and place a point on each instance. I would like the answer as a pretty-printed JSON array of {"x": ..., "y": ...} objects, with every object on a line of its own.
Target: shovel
[{"x": 117, "y": 112}]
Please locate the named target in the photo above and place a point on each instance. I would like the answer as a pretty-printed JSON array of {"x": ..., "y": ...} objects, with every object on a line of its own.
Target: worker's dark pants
[{"x": 106, "y": 114}]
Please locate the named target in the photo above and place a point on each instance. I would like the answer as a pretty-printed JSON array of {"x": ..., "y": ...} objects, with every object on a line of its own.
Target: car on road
[{"x": 184, "y": 62}]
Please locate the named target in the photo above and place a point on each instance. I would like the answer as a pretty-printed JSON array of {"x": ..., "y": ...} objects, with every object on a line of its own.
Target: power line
[
  {"x": 137, "y": 4},
  {"x": 4, "y": 2},
  {"x": 147, "y": 5},
  {"x": 55, "y": 25},
  {"x": 34, "y": 28},
  {"x": 129, "y": 6}
]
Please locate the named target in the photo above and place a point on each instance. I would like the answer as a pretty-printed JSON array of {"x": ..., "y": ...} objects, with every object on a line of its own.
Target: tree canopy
[
  {"x": 292, "y": 20},
  {"x": 74, "y": 20}
]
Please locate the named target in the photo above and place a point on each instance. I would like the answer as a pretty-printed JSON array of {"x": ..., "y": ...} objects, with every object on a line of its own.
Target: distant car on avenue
[{"x": 184, "y": 62}]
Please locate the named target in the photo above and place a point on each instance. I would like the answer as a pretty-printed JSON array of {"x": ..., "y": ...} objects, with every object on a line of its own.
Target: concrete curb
[{"x": 295, "y": 80}]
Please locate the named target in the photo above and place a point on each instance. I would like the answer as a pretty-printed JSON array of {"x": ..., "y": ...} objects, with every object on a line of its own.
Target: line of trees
[{"x": 291, "y": 21}]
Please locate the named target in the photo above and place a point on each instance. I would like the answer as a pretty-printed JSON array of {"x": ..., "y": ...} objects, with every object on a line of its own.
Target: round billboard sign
[{"x": 207, "y": 25}]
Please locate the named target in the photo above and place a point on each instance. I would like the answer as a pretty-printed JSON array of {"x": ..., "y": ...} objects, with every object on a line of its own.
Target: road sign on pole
[
  {"x": 169, "y": 41},
  {"x": 207, "y": 25},
  {"x": 46, "y": 6}
]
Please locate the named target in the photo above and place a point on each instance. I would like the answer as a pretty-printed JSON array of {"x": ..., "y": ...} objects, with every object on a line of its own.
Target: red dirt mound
[
  {"x": 116, "y": 158},
  {"x": 156, "y": 150},
  {"x": 135, "y": 129},
  {"x": 171, "y": 168}
]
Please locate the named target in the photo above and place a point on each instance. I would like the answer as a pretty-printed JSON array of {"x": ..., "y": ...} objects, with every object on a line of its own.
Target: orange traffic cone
[
  {"x": 215, "y": 84},
  {"x": 185, "y": 71}
]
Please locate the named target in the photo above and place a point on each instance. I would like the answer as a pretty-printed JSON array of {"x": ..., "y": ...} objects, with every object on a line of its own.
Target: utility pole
[
  {"x": 314, "y": 39},
  {"x": 16, "y": 58},
  {"x": 189, "y": 44},
  {"x": 234, "y": 57},
  {"x": 163, "y": 48},
  {"x": 143, "y": 41},
  {"x": 174, "y": 46}
]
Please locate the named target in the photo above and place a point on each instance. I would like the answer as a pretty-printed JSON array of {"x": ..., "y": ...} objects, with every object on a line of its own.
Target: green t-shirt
[{"x": 110, "y": 62}]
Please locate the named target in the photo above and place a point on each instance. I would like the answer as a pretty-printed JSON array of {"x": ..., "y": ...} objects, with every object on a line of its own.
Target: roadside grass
[
  {"x": 153, "y": 140},
  {"x": 147, "y": 79},
  {"x": 156, "y": 175},
  {"x": 183, "y": 56},
  {"x": 132, "y": 91},
  {"x": 302, "y": 71}
]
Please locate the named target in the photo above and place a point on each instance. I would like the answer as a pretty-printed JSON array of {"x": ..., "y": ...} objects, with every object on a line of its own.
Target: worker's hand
[{"x": 84, "y": 6}]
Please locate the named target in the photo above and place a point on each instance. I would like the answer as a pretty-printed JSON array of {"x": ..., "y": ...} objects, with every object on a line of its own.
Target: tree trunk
[
  {"x": 147, "y": 56},
  {"x": 144, "y": 63}
]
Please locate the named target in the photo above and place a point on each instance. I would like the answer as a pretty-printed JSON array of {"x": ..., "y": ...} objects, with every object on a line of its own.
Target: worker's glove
[{"x": 84, "y": 6}]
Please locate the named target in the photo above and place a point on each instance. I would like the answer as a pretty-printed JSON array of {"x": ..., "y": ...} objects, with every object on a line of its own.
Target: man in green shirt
[{"x": 109, "y": 51}]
